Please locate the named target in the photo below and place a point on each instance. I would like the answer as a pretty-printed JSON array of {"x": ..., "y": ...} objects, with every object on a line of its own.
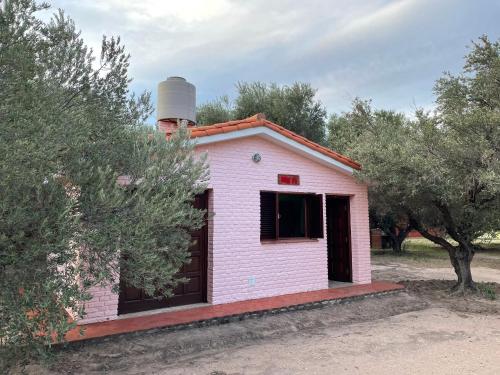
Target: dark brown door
[
  {"x": 193, "y": 291},
  {"x": 338, "y": 238}
]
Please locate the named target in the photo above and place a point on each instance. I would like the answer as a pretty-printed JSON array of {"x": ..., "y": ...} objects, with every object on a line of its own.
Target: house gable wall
[{"x": 236, "y": 253}]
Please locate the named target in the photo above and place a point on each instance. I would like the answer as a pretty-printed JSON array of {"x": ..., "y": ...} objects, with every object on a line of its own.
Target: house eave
[{"x": 277, "y": 138}]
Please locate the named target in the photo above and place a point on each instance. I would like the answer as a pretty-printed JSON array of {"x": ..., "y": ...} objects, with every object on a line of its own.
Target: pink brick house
[{"x": 286, "y": 216}]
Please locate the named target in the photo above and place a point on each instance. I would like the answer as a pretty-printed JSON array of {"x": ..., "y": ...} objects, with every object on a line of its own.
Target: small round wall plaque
[{"x": 256, "y": 157}]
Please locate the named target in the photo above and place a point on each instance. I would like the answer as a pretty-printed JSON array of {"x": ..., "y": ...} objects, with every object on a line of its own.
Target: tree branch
[
  {"x": 450, "y": 226},
  {"x": 431, "y": 237},
  {"x": 438, "y": 240}
]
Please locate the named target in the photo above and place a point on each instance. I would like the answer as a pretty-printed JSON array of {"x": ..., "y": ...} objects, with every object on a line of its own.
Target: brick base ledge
[{"x": 103, "y": 331}]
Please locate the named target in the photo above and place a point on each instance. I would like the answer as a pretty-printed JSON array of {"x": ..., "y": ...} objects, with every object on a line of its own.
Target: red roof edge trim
[{"x": 258, "y": 120}]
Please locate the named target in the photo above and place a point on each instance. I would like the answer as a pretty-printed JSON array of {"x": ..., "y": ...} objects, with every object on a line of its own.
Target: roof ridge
[
  {"x": 256, "y": 117},
  {"x": 259, "y": 119},
  {"x": 309, "y": 141}
]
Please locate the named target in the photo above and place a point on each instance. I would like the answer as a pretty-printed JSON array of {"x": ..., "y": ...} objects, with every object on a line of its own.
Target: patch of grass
[
  {"x": 415, "y": 249},
  {"x": 487, "y": 290},
  {"x": 425, "y": 253}
]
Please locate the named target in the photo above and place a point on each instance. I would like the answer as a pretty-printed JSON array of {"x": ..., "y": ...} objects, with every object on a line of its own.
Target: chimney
[{"x": 176, "y": 104}]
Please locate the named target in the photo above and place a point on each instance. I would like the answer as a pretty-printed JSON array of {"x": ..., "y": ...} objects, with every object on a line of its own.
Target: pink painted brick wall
[
  {"x": 210, "y": 264},
  {"x": 103, "y": 306},
  {"x": 236, "y": 253}
]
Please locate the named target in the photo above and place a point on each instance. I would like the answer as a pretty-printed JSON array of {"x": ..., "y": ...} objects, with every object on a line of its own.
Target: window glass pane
[{"x": 291, "y": 215}]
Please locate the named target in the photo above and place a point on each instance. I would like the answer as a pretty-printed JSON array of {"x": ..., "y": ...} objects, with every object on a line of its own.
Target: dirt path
[
  {"x": 420, "y": 331},
  {"x": 433, "y": 341},
  {"x": 147, "y": 353}
]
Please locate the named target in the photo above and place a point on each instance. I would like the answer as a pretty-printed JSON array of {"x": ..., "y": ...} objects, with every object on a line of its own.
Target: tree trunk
[
  {"x": 461, "y": 259},
  {"x": 396, "y": 246},
  {"x": 397, "y": 239}
]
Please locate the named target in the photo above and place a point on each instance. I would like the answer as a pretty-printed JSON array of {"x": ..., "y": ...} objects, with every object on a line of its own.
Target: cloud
[
  {"x": 391, "y": 51},
  {"x": 146, "y": 11}
]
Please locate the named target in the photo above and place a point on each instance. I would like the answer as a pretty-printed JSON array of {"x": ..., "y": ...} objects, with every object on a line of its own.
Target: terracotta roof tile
[
  {"x": 260, "y": 120},
  {"x": 211, "y": 131}
]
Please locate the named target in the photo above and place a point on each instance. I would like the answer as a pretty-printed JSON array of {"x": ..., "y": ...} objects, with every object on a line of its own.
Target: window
[{"x": 290, "y": 215}]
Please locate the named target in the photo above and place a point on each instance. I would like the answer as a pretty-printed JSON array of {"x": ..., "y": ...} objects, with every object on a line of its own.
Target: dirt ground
[
  {"x": 397, "y": 271},
  {"x": 422, "y": 330}
]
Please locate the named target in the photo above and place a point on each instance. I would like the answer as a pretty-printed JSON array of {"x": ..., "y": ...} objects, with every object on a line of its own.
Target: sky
[{"x": 391, "y": 52}]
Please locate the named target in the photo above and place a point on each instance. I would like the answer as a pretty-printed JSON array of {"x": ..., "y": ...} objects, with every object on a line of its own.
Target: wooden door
[
  {"x": 338, "y": 238},
  {"x": 193, "y": 291}
]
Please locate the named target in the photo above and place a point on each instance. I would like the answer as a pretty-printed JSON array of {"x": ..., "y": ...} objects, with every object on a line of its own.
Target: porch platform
[{"x": 216, "y": 313}]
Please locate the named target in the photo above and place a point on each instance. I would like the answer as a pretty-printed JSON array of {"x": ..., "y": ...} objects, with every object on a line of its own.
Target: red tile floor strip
[{"x": 172, "y": 318}]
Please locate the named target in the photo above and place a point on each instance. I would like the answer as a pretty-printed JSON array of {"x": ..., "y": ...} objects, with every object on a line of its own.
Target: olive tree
[
  {"x": 294, "y": 107},
  {"x": 355, "y": 132},
  {"x": 443, "y": 168},
  {"x": 70, "y": 130},
  {"x": 217, "y": 111}
]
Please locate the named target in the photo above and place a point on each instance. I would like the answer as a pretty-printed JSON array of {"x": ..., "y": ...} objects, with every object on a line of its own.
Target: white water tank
[{"x": 176, "y": 100}]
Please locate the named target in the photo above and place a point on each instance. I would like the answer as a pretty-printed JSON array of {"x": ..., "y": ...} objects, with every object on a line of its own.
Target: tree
[
  {"x": 69, "y": 128},
  {"x": 392, "y": 222},
  {"x": 220, "y": 110},
  {"x": 443, "y": 169},
  {"x": 360, "y": 129},
  {"x": 345, "y": 129},
  {"x": 293, "y": 107}
]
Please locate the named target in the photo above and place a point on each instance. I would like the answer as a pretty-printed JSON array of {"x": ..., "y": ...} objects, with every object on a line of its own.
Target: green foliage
[
  {"x": 220, "y": 110},
  {"x": 68, "y": 129},
  {"x": 345, "y": 129},
  {"x": 459, "y": 149},
  {"x": 488, "y": 290},
  {"x": 293, "y": 107},
  {"x": 443, "y": 169},
  {"x": 468, "y": 126},
  {"x": 362, "y": 134}
]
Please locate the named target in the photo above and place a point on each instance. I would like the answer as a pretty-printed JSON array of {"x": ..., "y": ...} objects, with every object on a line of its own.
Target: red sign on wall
[{"x": 288, "y": 179}]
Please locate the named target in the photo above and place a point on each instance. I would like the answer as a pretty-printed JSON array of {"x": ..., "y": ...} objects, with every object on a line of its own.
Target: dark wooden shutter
[
  {"x": 267, "y": 215},
  {"x": 315, "y": 215}
]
